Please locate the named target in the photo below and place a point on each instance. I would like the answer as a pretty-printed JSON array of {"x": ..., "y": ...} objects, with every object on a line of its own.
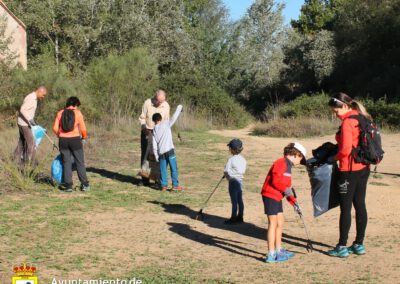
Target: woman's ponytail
[{"x": 361, "y": 109}]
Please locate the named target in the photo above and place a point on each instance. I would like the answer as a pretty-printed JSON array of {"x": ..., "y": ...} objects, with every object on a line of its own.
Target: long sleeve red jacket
[
  {"x": 347, "y": 139},
  {"x": 278, "y": 180}
]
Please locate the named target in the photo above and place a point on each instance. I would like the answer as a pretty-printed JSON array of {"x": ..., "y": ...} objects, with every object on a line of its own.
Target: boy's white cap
[{"x": 302, "y": 150}]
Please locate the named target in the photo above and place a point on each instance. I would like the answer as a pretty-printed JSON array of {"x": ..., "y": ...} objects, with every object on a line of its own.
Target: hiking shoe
[
  {"x": 356, "y": 249},
  {"x": 164, "y": 188},
  {"x": 230, "y": 221},
  {"x": 281, "y": 257},
  {"x": 68, "y": 189},
  {"x": 85, "y": 188},
  {"x": 339, "y": 251},
  {"x": 144, "y": 183},
  {"x": 288, "y": 253},
  {"x": 239, "y": 219},
  {"x": 177, "y": 188},
  {"x": 270, "y": 258}
]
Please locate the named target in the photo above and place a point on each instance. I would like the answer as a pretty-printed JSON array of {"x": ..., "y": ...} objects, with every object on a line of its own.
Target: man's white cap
[{"x": 302, "y": 150}]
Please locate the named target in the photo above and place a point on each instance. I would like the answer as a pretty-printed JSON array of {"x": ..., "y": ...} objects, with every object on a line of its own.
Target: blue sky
[{"x": 238, "y": 8}]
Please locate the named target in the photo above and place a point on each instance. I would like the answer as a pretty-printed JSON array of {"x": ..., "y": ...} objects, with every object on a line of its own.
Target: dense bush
[
  {"x": 118, "y": 85},
  {"x": 314, "y": 105},
  {"x": 205, "y": 98},
  {"x": 20, "y": 83},
  {"x": 114, "y": 88},
  {"x": 385, "y": 114}
]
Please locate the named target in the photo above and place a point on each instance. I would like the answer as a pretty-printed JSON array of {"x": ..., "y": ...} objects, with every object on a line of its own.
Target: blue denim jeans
[
  {"x": 170, "y": 160},
  {"x": 235, "y": 192}
]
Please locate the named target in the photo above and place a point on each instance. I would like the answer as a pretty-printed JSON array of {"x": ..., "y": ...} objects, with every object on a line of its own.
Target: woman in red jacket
[{"x": 353, "y": 176}]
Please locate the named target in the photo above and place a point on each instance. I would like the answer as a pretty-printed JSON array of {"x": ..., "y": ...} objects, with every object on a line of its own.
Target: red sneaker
[{"x": 177, "y": 188}]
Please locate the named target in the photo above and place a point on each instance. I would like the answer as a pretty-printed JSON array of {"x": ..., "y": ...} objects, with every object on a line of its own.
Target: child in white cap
[{"x": 277, "y": 185}]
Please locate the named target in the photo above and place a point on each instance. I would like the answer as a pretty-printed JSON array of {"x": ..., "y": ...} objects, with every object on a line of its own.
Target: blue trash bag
[
  {"x": 38, "y": 133},
  {"x": 57, "y": 169}
]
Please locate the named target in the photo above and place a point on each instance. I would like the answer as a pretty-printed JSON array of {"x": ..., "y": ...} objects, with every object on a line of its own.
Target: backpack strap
[{"x": 357, "y": 117}]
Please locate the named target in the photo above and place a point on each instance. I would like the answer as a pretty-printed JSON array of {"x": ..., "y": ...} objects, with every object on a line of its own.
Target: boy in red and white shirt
[{"x": 277, "y": 185}]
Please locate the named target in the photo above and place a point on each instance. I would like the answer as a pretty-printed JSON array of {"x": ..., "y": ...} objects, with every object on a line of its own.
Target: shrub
[
  {"x": 300, "y": 127},
  {"x": 314, "y": 105},
  {"x": 205, "y": 99},
  {"x": 385, "y": 114},
  {"x": 44, "y": 72},
  {"x": 118, "y": 85}
]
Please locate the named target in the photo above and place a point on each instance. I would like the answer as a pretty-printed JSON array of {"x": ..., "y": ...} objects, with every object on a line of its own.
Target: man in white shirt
[
  {"x": 156, "y": 104},
  {"x": 26, "y": 148}
]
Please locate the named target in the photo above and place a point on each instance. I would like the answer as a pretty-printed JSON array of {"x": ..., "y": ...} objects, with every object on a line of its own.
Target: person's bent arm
[
  {"x": 25, "y": 108},
  {"x": 81, "y": 125},
  {"x": 142, "y": 117},
  {"x": 227, "y": 169},
  {"x": 346, "y": 142},
  {"x": 56, "y": 125},
  {"x": 155, "y": 148}
]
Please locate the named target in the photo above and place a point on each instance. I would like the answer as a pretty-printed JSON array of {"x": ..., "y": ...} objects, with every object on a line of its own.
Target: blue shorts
[{"x": 271, "y": 206}]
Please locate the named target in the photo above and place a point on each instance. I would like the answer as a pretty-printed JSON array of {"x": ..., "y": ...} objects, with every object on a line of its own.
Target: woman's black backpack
[
  {"x": 67, "y": 120},
  {"x": 369, "y": 149}
]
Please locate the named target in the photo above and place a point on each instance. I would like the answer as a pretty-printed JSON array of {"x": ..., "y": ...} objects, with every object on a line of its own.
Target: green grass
[{"x": 51, "y": 221}]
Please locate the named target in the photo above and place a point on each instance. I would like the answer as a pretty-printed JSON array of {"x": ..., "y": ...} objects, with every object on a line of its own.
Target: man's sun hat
[
  {"x": 235, "y": 144},
  {"x": 302, "y": 150}
]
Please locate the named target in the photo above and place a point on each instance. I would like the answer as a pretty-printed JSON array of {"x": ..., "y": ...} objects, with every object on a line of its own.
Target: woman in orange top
[
  {"x": 353, "y": 176},
  {"x": 71, "y": 144}
]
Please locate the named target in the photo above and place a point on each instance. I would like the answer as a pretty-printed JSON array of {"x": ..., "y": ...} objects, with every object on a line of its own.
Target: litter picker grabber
[
  {"x": 200, "y": 215},
  {"x": 51, "y": 141},
  {"x": 309, "y": 246}
]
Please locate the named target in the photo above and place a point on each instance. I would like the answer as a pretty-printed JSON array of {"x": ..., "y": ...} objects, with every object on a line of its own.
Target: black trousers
[
  {"x": 352, "y": 188},
  {"x": 72, "y": 149},
  {"x": 143, "y": 147}
]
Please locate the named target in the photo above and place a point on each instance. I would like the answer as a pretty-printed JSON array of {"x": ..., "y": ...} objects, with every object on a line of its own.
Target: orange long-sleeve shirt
[{"x": 79, "y": 126}]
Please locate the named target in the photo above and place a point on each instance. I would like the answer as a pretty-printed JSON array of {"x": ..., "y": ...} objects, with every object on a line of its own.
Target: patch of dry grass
[{"x": 299, "y": 127}]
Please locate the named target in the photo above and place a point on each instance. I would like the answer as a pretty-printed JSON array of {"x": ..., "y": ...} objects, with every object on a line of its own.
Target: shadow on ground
[
  {"x": 114, "y": 176},
  {"x": 214, "y": 221},
  {"x": 184, "y": 230}
]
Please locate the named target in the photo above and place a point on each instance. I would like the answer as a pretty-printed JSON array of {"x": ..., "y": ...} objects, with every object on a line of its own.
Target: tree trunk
[{"x": 57, "y": 50}]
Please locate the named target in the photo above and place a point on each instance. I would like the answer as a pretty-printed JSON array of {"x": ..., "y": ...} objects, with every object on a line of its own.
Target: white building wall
[{"x": 16, "y": 30}]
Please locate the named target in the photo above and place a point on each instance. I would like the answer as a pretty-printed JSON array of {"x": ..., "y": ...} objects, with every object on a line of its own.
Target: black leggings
[{"x": 352, "y": 190}]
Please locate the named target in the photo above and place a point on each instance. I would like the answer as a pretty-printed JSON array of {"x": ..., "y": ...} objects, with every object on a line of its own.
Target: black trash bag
[
  {"x": 322, "y": 171},
  {"x": 325, "y": 153}
]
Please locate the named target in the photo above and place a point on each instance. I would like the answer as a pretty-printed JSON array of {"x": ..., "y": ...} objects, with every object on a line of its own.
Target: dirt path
[
  {"x": 212, "y": 250},
  {"x": 383, "y": 204}
]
